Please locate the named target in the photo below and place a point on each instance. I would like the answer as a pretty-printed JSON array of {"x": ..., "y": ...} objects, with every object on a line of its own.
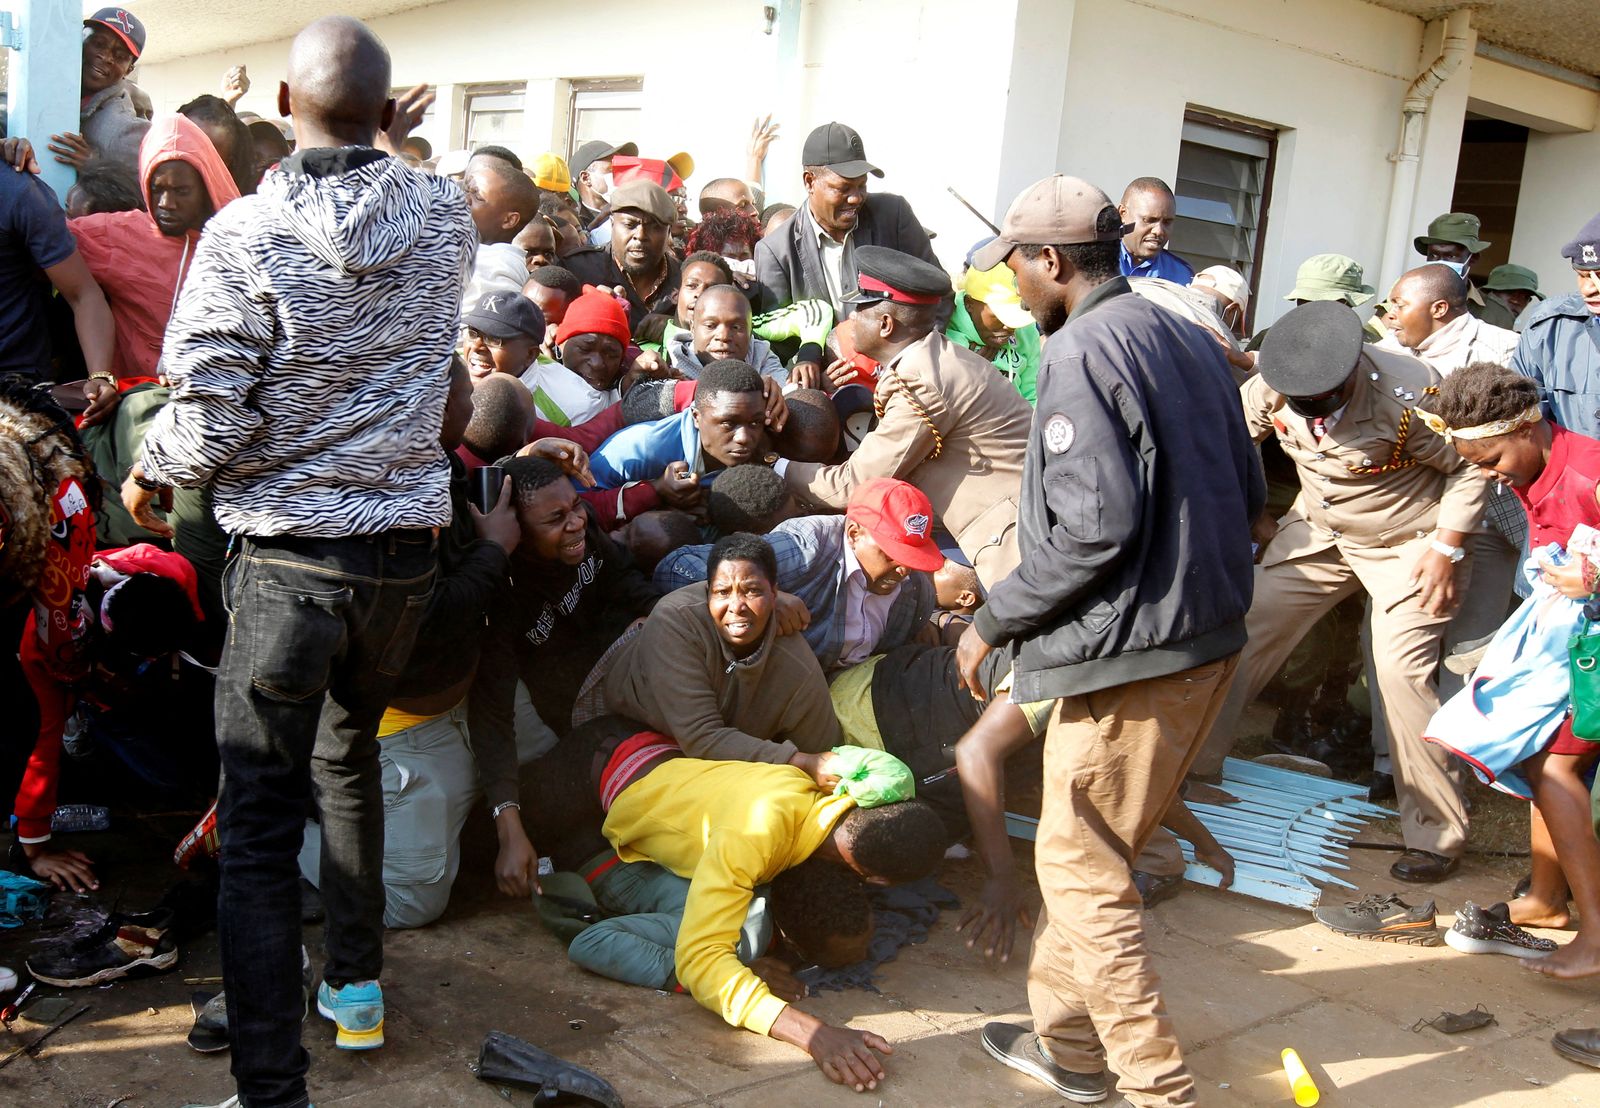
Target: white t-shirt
[{"x": 561, "y": 396}]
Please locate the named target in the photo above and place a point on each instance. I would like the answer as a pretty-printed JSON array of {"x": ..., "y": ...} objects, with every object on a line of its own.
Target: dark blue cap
[
  {"x": 1584, "y": 251},
  {"x": 505, "y": 315},
  {"x": 122, "y": 23}
]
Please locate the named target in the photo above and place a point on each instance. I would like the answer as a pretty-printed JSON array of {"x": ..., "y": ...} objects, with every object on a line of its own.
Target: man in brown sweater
[{"x": 682, "y": 677}]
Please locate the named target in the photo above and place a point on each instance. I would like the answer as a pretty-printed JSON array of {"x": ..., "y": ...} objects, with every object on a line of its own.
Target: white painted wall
[
  {"x": 1329, "y": 73},
  {"x": 893, "y": 70},
  {"x": 1560, "y": 193}
]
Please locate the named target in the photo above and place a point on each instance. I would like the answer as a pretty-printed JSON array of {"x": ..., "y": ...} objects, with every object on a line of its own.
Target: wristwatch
[
  {"x": 1454, "y": 553},
  {"x": 107, "y": 377}
]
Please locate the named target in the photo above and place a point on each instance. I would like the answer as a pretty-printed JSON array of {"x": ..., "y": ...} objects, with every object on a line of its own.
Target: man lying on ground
[{"x": 730, "y": 826}]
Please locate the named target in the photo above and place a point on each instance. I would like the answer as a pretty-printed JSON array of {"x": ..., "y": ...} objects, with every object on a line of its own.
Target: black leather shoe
[
  {"x": 1422, "y": 867},
  {"x": 1019, "y": 1048},
  {"x": 1380, "y": 786},
  {"x": 1581, "y": 1044}
]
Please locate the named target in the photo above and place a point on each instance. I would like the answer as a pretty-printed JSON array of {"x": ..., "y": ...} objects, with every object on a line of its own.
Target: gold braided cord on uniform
[
  {"x": 1396, "y": 462},
  {"x": 879, "y": 400}
]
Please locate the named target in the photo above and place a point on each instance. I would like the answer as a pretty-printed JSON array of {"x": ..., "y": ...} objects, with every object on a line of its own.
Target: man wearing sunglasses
[{"x": 1385, "y": 506}]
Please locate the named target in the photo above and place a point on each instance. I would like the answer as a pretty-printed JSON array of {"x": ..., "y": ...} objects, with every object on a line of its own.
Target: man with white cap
[
  {"x": 1231, "y": 290},
  {"x": 1139, "y": 485}
]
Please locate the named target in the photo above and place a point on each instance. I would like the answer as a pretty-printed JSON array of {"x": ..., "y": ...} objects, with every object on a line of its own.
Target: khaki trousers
[
  {"x": 1290, "y": 597},
  {"x": 1113, "y": 762}
]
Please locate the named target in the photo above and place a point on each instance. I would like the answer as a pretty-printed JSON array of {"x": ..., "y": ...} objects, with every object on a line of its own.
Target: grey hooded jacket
[
  {"x": 112, "y": 128},
  {"x": 680, "y": 349}
]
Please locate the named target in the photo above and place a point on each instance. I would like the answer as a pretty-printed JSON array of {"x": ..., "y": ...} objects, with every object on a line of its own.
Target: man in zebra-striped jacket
[{"x": 309, "y": 357}]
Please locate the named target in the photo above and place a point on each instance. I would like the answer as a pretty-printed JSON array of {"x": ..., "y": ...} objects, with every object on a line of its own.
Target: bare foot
[
  {"x": 1528, "y": 912},
  {"x": 1578, "y": 958}
]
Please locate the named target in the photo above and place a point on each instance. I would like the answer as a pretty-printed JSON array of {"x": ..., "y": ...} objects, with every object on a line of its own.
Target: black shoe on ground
[
  {"x": 1380, "y": 786},
  {"x": 1490, "y": 931},
  {"x": 1581, "y": 1044},
  {"x": 1154, "y": 888},
  {"x": 1423, "y": 867},
  {"x": 1382, "y": 918},
  {"x": 1020, "y": 1049},
  {"x": 126, "y": 943}
]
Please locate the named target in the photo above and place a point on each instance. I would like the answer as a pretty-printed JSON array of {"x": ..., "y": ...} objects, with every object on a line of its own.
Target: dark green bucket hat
[
  {"x": 1513, "y": 278},
  {"x": 1456, "y": 228}
]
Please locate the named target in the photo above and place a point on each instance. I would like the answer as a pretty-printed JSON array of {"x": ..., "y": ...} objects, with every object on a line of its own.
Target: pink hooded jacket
[{"x": 138, "y": 268}]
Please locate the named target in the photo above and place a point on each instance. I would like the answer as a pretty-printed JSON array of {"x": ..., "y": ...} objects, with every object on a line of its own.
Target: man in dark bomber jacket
[{"x": 1139, "y": 487}]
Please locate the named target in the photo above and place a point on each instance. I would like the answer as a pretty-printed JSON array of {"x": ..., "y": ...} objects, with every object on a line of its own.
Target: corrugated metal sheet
[{"x": 1287, "y": 834}]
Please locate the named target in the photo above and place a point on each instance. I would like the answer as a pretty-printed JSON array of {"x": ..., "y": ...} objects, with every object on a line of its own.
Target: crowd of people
[{"x": 716, "y": 566}]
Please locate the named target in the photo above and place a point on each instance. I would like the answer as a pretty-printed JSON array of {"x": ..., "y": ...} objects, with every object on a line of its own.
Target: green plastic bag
[
  {"x": 872, "y": 777},
  {"x": 1583, "y": 662}
]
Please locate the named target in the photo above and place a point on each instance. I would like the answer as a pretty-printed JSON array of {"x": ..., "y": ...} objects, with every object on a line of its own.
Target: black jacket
[
  {"x": 789, "y": 262},
  {"x": 598, "y": 267},
  {"x": 1138, "y": 493},
  {"x": 470, "y": 571},
  {"x": 548, "y": 625}
]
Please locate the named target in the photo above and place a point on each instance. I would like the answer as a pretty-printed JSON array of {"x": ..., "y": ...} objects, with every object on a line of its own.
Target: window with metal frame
[
  {"x": 608, "y": 108},
  {"x": 494, "y": 114},
  {"x": 1224, "y": 188}
]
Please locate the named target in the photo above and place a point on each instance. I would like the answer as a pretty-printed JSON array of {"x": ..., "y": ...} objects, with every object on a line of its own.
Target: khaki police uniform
[
  {"x": 956, "y": 429},
  {"x": 1373, "y": 491}
]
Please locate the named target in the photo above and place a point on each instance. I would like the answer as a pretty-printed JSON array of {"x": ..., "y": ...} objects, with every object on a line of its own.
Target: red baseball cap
[
  {"x": 625, "y": 168},
  {"x": 595, "y": 313},
  {"x": 899, "y": 518}
]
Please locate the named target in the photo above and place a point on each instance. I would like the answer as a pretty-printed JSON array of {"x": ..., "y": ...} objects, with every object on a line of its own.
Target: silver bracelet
[{"x": 498, "y": 808}]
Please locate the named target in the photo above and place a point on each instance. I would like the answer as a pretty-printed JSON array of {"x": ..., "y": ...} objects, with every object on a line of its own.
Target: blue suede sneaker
[{"x": 357, "y": 1010}]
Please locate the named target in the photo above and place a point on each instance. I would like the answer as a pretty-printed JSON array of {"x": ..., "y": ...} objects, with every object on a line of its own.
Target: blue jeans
[{"x": 320, "y": 630}]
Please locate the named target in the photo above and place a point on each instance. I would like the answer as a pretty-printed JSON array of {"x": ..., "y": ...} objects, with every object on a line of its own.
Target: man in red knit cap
[{"x": 591, "y": 346}]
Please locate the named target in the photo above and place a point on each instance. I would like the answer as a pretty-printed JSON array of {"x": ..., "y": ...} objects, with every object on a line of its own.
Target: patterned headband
[{"x": 1483, "y": 430}]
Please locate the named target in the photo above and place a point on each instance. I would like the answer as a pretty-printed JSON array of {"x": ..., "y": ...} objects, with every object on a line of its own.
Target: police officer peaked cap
[
  {"x": 1583, "y": 252},
  {"x": 1312, "y": 350},
  {"x": 884, "y": 274}
]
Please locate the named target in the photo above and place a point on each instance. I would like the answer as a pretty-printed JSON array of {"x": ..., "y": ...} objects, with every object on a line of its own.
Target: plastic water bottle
[{"x": 80, "y": 817}]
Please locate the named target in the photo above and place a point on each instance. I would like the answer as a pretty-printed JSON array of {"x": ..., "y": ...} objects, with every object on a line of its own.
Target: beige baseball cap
[
  {"x": 1056, "y": 211},
  {"x": 1229, "y": 282}
]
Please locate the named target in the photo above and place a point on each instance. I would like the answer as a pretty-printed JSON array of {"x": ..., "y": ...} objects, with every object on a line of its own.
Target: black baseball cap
[
  {"x": 505, "y": 315},
  {"x": 122, "y": 23},
  {"x": 595, "y": 149},
  {"x": 839, "y": 148}
]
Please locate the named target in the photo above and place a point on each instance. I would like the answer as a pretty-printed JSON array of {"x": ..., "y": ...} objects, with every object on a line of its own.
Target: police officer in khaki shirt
[
  {"x": 1384, "y": 507},
  {"x": 948, "y": 423}
]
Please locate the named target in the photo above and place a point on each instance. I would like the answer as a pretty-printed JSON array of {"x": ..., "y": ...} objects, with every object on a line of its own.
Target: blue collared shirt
[
  {"x": 1560, "y": 350},
  {"x": 1165, "y": 264}
]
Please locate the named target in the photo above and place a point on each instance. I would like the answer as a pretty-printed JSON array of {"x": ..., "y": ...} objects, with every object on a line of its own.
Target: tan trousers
[
  {"x": 1113, "y": 762},
  {"x": 1290, "y": 597}
]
